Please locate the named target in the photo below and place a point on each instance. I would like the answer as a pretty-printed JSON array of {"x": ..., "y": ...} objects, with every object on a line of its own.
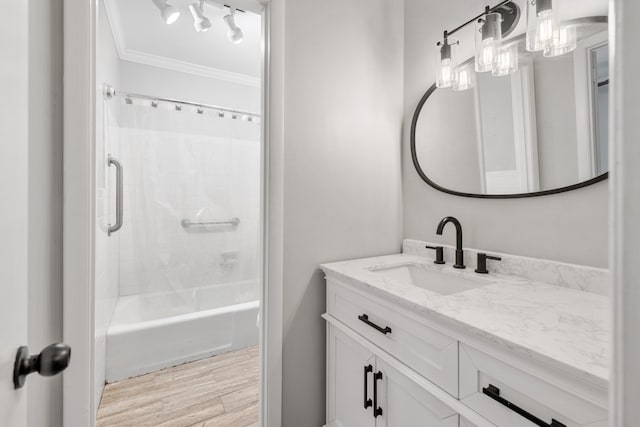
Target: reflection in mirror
[{"x": 544, "y": 127}]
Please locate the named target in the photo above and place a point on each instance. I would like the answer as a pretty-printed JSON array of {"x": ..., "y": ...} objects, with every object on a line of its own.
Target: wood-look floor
[{"x": 214, "y": 392}]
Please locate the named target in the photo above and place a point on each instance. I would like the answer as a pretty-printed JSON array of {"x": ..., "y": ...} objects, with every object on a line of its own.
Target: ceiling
[{"x": 142, "y": 36}]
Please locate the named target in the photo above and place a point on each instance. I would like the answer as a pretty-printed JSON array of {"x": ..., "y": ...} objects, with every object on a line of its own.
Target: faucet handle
[
  {"x": 439, "y": 254},
  {"x": 482, "y": 262}
]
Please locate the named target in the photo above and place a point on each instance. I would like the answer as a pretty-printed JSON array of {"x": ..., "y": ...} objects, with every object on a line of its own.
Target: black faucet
[{"x": 459, "y": 252}]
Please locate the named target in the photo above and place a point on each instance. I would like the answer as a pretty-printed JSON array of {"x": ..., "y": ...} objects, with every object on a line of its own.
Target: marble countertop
[{"x": 565, "y": 327}]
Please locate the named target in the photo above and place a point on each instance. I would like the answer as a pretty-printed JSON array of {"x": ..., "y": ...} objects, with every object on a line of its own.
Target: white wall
[
  {"x": 570, "y": 227},
  {"x": 45, "y": 202},
  {"x": 154, "y": 81},
  {"x": 342, "y": 195}
]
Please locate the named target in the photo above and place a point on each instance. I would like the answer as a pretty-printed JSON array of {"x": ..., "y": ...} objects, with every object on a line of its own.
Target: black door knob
[{"x": 51, "y": 361}]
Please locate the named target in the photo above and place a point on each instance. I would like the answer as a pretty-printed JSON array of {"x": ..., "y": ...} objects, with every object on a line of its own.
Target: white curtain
[{"x": 186, "y": 165}]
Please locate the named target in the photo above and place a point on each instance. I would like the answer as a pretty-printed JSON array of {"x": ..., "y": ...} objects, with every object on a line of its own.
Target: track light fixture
[
  {"x": 169, "y": 13},
  {"x": 200, "y": 22},
  {"x": 235, "y": 33}
]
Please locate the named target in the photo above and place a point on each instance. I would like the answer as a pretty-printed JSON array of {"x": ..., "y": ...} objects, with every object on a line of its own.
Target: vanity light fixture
[
  {"x": 169, "y": 13},
  {"x": 447, "y": 73},
  {"x": 542, "y": 24},
  {"x": 200, "y": 22},
  {"x": 492, "y": 25},
  {"x": 235, "y": 33},
  {"x": 488, "y": 39},
  {"x": 491, "y": 53}
]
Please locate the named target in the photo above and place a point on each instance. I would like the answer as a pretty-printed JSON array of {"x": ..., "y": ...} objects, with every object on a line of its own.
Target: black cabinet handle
[
  {"x": 376, "y": 409},
  {"x": 494, "y": 393},
  {"x": 367, "y": 401},
  {"x": 364, "y": 318}
]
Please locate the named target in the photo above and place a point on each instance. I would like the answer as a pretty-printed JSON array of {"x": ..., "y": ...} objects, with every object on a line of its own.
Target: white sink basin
[{"x": 435, "y": 280}]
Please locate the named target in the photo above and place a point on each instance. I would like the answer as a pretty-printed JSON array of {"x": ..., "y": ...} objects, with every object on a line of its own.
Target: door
[
  {"x": 13, "y": 215},
  {"x": 405, "y": 404},
  {"x": 349, "y": 382}
]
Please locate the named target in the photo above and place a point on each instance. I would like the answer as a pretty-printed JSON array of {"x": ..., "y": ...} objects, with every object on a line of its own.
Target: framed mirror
[{"x": 542, "y": 129}]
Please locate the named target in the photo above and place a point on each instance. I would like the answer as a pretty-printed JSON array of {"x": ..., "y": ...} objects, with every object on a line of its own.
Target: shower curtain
[{"x": 186, "y": 164}]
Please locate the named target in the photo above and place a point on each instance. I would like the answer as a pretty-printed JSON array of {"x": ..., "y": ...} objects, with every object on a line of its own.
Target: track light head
[
  {"x": 169, "y": 13},
  {"x": 200, "y": 22},
  {"x": 235, "y": 33}
]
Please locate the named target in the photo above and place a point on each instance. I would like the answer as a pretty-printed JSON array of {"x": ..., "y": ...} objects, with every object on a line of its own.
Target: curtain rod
[{"x": 110, "y": 93}]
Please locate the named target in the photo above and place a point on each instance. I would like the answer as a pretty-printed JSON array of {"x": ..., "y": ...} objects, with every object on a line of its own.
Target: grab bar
[
  {"x": 186, "y": 223},
  {"x": 119, "y": 199}
]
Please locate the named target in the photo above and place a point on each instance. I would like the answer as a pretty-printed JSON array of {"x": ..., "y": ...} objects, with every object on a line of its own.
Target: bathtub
[{"x": 150, "y": 332}]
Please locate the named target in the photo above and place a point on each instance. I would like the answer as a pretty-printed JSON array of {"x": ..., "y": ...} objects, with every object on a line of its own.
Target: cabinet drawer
[
  {"x": 425, "y": 350},
  {"x": 488, "y": 385}
]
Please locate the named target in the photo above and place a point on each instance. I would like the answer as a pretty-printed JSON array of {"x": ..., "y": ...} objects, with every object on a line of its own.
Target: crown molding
[
  {"x": 187, "y": 67},
  {"x": 127, "y": 54}
]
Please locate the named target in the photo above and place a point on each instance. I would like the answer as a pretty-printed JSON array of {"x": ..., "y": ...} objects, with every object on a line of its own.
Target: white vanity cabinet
[
  {"x": 487, "y": 385},
  {"x": 390, "y": 366},
  {"x": 365, "y": 391}
]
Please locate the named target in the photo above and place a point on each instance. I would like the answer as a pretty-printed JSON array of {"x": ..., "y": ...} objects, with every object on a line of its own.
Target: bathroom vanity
[{"x": 413, "y": 343}]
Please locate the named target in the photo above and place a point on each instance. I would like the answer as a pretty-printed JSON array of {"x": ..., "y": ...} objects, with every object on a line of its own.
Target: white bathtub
[{"x": 154, "y": 331}]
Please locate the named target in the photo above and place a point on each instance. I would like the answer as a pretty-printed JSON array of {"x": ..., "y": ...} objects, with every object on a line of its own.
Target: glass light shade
[
  {"x": 488, "y": 38},
  {"x": 446, "y": 66},
  {"x": 506, "y": 61},
  {"x": 542, "y": 24},
  {"x": 564, "y": 41},
  {"x": 466, "y": 78}
]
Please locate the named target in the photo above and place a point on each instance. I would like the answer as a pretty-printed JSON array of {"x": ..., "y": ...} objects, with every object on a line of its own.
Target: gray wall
[
  {"x": 45, "y": 202},
  {"x": 570, "y": 227},
  {"x": 342, "y": 177}
]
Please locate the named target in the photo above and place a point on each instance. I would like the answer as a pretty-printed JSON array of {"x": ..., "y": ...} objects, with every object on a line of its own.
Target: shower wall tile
[{"x": 171, "y": 176}]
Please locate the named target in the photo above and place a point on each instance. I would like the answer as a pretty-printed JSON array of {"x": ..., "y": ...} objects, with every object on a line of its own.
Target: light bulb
[
  {"x": 446, "y": 74},
  {"x": 544, "y": 28},
  {"x": 564, "y": 41},
  {"x": 200, "y": 22},
  {"x": 506, "y": 60},
  {"x": 170, "y": 15},
  {"x": 466, "y": 79},
  {"x": 488, "y": 38}
]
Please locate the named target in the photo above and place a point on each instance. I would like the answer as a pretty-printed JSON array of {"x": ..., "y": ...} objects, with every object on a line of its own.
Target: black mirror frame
[{"x": 425, "y": 178}]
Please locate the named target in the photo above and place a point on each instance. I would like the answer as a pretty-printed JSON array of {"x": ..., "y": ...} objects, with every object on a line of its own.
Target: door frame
[
  {"x": 624, "y": 211},
  {"x": 14, "y": 187},
  {"x": 80, "y": 93}
]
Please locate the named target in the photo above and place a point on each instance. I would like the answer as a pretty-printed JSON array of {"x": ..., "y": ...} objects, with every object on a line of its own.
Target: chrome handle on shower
[{"x": 119, "y": 197}]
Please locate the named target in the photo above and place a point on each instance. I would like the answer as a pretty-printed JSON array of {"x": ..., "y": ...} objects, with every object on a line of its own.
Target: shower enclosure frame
[{"x": 81, "y": 93}]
